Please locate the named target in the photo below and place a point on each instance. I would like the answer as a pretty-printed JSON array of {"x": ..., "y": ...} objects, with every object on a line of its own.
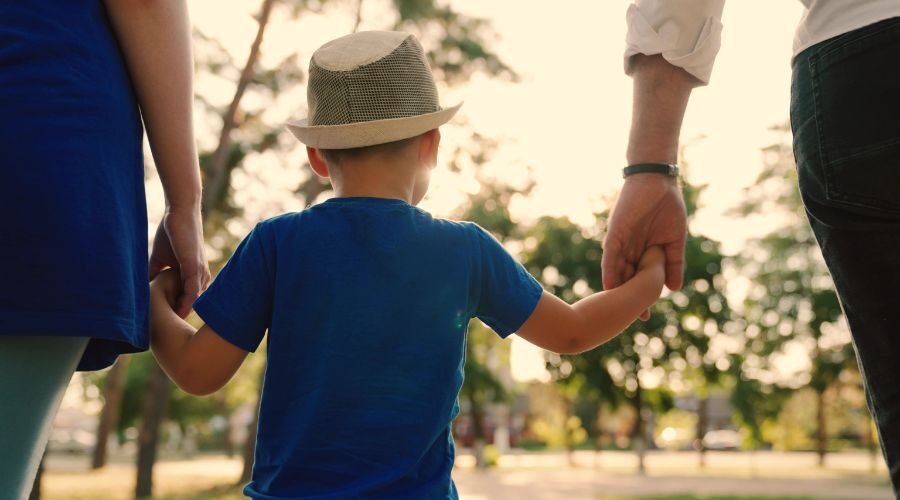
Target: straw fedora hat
[{"x": 369, "y": 88}]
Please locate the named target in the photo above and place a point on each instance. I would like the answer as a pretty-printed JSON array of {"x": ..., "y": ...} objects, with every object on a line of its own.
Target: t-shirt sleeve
[
  {"x": 506, "y": 293},
  {"x": 238, "y": 304}
]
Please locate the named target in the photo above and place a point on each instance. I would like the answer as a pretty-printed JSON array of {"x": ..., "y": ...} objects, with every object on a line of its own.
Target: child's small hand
[
  {"x": 653, "y": 263},
  {"x": 653, "y": 257},
  {"x": 167, "y": 285}
]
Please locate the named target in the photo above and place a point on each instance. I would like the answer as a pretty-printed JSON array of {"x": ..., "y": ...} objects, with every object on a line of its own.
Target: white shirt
[{"x": 688, "y": 33}]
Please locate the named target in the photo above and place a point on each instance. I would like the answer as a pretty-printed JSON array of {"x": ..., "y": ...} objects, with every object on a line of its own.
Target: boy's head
[{"x": 373, "y": 106}]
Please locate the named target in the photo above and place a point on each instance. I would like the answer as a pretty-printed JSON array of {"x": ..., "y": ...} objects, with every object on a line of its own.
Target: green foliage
[
  {"x": 671, "y": 348},
  {"x": 489, "y": 208},
  {"x": 481, "y": 383},
  {"x": 791, "y": 301},
  {"x": 755, "y": 402},
  {"x": 136, "y": 378},
  {"x": 461, "y": 46}
]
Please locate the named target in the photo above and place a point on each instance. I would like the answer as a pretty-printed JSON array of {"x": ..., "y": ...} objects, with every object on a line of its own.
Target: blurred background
[{"x": 742, "y": 385}]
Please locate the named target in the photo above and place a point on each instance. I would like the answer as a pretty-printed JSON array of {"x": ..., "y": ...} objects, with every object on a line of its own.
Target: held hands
[
  {"x": 654, "y": 261},
  {"x": 650, "y": 211},
  {"x": 167, "y": 285},
  {"x": 179, "y": 244}
]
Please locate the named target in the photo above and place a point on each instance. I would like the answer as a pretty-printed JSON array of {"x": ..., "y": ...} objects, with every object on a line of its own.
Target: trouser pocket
[{"x": 855, "y": 87}]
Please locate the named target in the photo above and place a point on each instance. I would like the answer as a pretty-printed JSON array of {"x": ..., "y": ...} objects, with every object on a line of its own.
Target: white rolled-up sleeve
[{"x": 687, "y": 33}]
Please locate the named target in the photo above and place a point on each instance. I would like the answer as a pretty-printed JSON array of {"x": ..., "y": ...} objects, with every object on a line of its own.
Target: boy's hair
[{"x": 335, "y": 157}]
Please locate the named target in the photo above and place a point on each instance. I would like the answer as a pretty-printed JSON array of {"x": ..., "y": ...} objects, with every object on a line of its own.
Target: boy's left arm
[{"x": 200, "y": 362}]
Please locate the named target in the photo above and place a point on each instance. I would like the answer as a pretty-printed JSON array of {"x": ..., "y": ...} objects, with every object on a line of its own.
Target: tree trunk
[
  {"x": 598, "y": 435},
  {"x": 216, "y": 183},
  {"x": 477, "y": 414},
  {"x": 359, "y": 6},
  {"x": 222, "y": 406},
  {"x": 36, "y": 484},
  {"x": 872, "y": 444},
  {"x": 250, "y": 443},
  {"x": 154, "y": 409},
  {"x": 639, "y": 433},
  {"x": 112, "y": 405},
  {"x": 249, "y": 448},
  {"x": 821, "y": 429},
  {"x": 218, "y": 177},
  {"x": 569, "y": 433},
  {"x": 702, "y": 424}
]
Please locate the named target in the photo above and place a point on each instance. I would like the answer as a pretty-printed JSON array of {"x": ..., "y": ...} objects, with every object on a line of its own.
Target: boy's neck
[
  {"x": 370, "y": 192},
  {"x": 374, "y": 179}
]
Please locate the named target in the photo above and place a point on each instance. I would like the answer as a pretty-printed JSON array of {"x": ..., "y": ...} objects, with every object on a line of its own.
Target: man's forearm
[
  {"x": 155, "y": 37},
  {"x": 661, "y": 93}
]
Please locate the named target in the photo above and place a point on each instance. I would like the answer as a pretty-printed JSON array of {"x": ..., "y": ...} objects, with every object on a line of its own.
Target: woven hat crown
[{"x": 370, "y": 76}]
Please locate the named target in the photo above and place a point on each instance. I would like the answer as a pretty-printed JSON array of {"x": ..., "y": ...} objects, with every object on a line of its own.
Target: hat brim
[{"x": 358, "y": 135}]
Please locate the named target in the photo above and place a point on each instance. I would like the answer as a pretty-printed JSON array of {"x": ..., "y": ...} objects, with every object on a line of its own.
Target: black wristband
[{"x": 652, "y": 168}]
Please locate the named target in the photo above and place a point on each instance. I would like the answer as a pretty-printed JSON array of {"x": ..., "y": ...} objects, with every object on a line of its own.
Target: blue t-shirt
[{"x": 366, "y": 301}]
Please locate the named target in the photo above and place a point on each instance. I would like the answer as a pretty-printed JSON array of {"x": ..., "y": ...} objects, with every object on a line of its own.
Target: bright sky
[{"x": 568, "y": 118}]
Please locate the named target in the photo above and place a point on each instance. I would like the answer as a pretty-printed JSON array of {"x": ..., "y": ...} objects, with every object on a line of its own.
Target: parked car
[
  {"x": 722, "y": 439},
  {"x": 77, "y": 441}
]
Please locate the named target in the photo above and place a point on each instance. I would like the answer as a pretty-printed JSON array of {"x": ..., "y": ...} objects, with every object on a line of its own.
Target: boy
[{"x": 366, "y": 298}]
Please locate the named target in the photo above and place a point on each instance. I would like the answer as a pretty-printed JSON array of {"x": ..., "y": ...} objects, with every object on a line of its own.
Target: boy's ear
[
  {"x": 428, "y": 147},
  {"x": 317, "y": 162}
]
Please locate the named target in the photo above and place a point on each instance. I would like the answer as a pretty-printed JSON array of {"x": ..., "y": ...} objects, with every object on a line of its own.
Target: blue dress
[{"x": 73, "y": 218}]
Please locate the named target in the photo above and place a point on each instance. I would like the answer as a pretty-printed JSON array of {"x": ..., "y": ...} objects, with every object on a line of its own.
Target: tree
[
  {"x": 481, "y": 386},
  {"x": 791, "y": 303},
  {"x": 565, "y": 258},
  {"x": 675, "y": 347},
  {"x": 489, "y": 207},
  {"x": 154, "y": 411},
  {"x": 112, "y": 406}
]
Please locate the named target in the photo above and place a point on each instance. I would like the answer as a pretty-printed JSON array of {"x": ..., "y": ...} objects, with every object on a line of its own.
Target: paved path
[
  {"x": 532, "y": 476},
  {"x": 588, "y": 484},
  {"x": 548, "y": 476}
]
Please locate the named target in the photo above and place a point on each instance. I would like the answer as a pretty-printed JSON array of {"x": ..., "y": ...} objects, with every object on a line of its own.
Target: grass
[
  {"x": 218, "y": 493},
  {"x": 707, "y": 497}
]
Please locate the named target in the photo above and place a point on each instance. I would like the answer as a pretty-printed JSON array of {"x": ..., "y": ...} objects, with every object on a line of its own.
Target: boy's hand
[
  {"x": 168, "y": 285},
  {"x": 653, "y": 257},
  {"x": 653, "y": 260}
]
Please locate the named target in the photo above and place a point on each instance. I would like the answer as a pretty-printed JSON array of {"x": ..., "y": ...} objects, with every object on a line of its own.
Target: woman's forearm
[{"x": 155, "y": 38}]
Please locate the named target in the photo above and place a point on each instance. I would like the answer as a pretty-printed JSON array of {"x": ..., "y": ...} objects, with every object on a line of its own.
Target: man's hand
[
  {"x": 650, "y": 211},
  {"x": 179, "y": 244}
]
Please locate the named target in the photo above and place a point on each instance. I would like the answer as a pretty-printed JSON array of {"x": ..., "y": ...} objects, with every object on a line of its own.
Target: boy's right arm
[
  {"x": 569, "y": 329},
  {"x": 200, "y": 362}
]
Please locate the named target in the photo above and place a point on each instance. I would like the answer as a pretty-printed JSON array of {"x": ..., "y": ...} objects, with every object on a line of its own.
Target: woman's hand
[
  {"x": 154, "y": 35},
  {"x": 179, "y": 244}
]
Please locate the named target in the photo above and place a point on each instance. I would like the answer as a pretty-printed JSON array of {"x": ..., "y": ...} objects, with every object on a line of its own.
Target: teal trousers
[{"x": 34, "y": 374}]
